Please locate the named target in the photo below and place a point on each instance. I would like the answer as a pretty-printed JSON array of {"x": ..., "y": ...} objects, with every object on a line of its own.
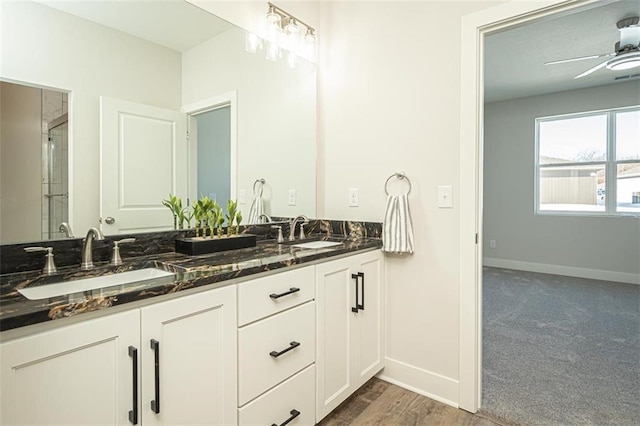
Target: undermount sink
[
  {"x": 317, "y": 244},
  {"x": 48, "y": 291}
]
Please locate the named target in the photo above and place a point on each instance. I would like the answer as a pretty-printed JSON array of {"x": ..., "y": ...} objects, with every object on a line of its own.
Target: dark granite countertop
[{"x": 213, "y": 270}]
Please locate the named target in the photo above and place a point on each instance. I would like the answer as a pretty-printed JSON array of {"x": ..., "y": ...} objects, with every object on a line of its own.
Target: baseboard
[
  {"x": 423, "y": 382},
  {"x": 570, "y": 271}
]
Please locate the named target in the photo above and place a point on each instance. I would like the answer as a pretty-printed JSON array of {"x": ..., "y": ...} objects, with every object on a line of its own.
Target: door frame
[
  {"x": 473, "y": 29},
  {"x": 229, "y": 99}
]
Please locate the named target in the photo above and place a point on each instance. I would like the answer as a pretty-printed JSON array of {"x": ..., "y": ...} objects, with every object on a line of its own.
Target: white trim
[
  {"x": 415, "y": 379},
  {"x": 473, "y": 29},
  {"x": 230, "y": 99},
  {"x": 569, "y": 271}
]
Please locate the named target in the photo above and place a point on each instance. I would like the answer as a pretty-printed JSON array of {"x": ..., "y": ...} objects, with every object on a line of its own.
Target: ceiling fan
[{"x": 626, "y": 52}]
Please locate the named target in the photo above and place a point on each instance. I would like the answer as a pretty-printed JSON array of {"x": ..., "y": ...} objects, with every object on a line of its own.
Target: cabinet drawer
[
  {"x": 254, "y": 297},
  {"x": 278, "y": 405},
  {"x": 258, "y": 344}
]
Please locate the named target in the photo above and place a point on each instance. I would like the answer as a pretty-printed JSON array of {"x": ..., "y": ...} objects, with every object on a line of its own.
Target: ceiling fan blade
[
  {"x": 562, "y": 61},
  {"x": 590, "y": 70}
]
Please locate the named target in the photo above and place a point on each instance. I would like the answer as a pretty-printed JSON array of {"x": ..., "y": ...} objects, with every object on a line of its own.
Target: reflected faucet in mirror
[
  {"x": 65, "y": 228},
  {"x": 87, "y": 248}
]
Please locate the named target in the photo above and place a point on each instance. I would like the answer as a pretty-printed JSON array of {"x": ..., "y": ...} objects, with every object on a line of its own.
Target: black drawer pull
[
  {"x": 292, "y": 345},
  {"x": 294, "y": 414},
  {"x": 361, "y": 306},
  {"x": 133, "y": 414},
  {"x": 355, "y": 308},
  {"x": 291, "y": 291},
  {"x": 155, "y": 404}
]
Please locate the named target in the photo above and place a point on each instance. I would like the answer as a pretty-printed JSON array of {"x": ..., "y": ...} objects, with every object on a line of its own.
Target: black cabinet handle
[
  {"x": 291, "y": 291},
  {"x": 292, "y": 345},
  {"x": 355, "y": 308},
  {"x": 133, "y": 414},
  {"x": 361, "y": 306},
  {"x": 155, "y": 404},
  {"x": 294, "y": 413}
]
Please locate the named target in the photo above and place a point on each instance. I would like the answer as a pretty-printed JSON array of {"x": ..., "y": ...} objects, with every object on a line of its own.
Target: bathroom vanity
[{"x": 269, "y": 335}]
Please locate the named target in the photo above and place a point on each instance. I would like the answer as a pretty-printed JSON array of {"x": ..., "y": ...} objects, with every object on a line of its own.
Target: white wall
[
  {"x": 45, "y": 47},
  {"x": 604, "y": 247},
  {"x": 20, "y": 152},
  {"x": 389, "y": 101}
]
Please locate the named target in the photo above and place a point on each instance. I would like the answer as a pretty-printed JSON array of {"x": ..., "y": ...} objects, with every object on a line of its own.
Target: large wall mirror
[{"x": 88, "y": 68}]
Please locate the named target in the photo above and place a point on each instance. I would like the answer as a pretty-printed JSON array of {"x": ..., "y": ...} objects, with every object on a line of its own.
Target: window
[{"x": 589, "y": 163}]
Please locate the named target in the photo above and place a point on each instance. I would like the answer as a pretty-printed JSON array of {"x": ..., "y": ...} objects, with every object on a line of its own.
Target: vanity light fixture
[{"x": 292, "y": 28}]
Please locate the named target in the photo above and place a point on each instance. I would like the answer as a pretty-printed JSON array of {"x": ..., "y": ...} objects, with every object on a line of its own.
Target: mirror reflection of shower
[
  {"x": 34, "y": 165},
  {"x": 55, "y": 172}
]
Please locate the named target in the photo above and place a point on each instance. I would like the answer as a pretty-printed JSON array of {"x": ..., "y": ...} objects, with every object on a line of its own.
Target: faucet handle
[
  {"x": 280, "y": 237},
  {"x": 302, "y": 236},
  {"x": 49, "y": 264},
  {"x": 115, "y": 257}
]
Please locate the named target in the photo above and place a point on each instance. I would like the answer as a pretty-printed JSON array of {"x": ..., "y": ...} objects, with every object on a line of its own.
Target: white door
[
  {"x": 143, "y": 159},
  {"x": 193, "y": 342},
  {"x": 76, "y": 375}
]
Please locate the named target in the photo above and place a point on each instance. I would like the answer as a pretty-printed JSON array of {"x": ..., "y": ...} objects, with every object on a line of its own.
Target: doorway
[
  {"x": 211, "y": 131},
  {"x": 474, "y": 29},
  {"x": 34, "y": 162}
]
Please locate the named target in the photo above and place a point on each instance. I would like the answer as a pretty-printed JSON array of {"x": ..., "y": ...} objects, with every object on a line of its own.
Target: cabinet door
[
  {"x": 335, "y": 298},
  {"x": 75, "y": 375},
  {"x": 193, "y": 380},
  {"x": 368, "y": 325}
]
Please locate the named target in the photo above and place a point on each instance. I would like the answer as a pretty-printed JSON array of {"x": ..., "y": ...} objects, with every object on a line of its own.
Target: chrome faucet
[
  {"x": 87, "y": 246},
  {"x": 292, "y": 227},
  {"x": 66, "y": 229},
  {"x": 266, "y": 216}
]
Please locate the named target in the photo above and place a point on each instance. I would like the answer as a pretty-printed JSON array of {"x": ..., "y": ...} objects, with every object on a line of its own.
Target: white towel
[
  {"x": 397, "y": 230},
  {"x": 256, "y": 209}
]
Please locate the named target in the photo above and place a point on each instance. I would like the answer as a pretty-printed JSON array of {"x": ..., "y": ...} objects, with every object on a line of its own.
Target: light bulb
[
  {"x": 310, "y": 36},
  {"x": 272, "y": 16},
  {"x": 292, "y": 27}
]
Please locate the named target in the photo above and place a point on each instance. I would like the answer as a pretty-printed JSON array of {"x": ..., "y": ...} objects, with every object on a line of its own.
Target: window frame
[{"x": 610, "y": 164}]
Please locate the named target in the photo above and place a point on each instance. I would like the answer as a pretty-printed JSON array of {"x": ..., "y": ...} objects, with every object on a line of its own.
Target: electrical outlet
[
  {"x": 445, "y": 196},
  {"x": 292, "y": 197},
  {"x": 354, "y": 198},
  {"x": 492, "y": 243},
  {"x": 242, "y": 196}
]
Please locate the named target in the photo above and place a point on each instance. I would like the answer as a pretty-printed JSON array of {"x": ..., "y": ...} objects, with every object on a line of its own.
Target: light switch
[
  {"x": 242, "y": 196},
  {"x": 445, "y": 197}
]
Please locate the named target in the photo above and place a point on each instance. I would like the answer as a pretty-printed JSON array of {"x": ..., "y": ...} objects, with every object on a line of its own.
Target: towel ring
[
  {"x": 260, "y": 181},
  {"x": 400, "y": 176}
]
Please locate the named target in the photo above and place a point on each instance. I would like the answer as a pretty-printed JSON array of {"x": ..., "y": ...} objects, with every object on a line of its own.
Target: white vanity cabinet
[
  {"x": 103, "y": 371},
  {"x": 276, "y": 349},
  {"x": 80, "y": 374},
  {"x": 349, "y": 327},
  {"x": 285, "y": 348},
  {"x": 189, "y": 360}
]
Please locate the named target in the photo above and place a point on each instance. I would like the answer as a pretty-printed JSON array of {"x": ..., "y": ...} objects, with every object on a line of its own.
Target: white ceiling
[
  {"x": 514, "y": 59},
  {"x": 175, "y": 24}
]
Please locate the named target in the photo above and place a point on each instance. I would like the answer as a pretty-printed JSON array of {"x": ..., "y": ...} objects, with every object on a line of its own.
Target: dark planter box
[{"x": 196, "y": 246}]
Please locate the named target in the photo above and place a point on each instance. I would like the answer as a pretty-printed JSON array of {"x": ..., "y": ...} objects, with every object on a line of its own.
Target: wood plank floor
[{"x": 381, "y": 403}]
